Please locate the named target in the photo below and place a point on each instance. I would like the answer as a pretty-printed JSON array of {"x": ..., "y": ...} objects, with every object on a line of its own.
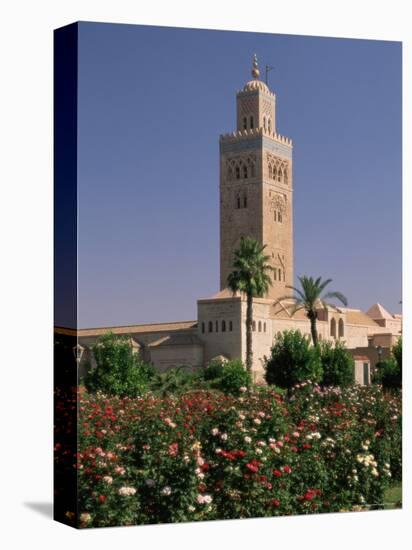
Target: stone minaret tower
[{"x": 256, "y": 185}]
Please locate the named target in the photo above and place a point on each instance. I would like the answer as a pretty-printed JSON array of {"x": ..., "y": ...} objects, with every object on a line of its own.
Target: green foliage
[
  {"x": 250, "y": 275},
  {"x": 397, "y": 353},
  {"x": 213, "y": 370},
  {"x": 388, "y": 374},
  {"x": 118, "y": 370},
  {"x": 177, "y": 380},
  {"x": 309, "y": 298},
  {"x": 337, "y": 363},
  {"x": 292, "y": 360},
  {"x": 234, "y": 378}
]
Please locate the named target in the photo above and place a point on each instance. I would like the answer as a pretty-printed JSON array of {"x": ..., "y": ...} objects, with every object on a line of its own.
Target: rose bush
[{"x": 206, "y": 455}]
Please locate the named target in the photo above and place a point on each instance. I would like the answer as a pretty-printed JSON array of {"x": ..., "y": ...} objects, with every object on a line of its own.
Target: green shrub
[
  {"x": 214, "y": 370},
  {"x": 292, "y": 360},
  {"x": 118, "y": 370},
  {"x": 234, "y": 379},
  {"x": 176, "y": 380},
  {"x": 337, "y": 363},
  {"x": 388, "y": 374}
]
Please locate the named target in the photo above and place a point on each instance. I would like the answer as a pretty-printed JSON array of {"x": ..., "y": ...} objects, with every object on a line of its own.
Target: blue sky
[{"x": 152, "y": 104}]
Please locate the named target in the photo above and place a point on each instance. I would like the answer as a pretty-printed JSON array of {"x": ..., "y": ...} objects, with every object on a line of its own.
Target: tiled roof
[
  {"x": 358, "y": 317},
  {"x": 378, "y": 312},
  {"x": 129, "y": 329}
]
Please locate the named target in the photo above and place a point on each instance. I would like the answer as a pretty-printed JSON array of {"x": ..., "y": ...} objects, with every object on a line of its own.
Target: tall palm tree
[
  {"x": 309, "y": 298},
  {"x": 250, "y": 276}
]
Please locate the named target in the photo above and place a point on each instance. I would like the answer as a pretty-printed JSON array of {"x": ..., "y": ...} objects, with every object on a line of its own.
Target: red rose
[
  {"x": 287, "y": 469},
  {"x": 274, "y": 502},
  {"x": 102, "y": 498},
  {"x": 277, "y": 473}
]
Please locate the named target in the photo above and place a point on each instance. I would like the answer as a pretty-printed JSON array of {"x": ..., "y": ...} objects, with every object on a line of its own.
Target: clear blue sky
[{"x": 152, "y": 103}]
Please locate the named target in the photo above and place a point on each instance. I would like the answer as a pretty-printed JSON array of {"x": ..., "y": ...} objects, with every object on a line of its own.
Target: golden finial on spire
[{"x": 255, "y": 68}]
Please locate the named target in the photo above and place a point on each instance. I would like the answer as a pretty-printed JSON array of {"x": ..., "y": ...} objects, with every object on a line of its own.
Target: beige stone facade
[{"x": 256, "y": 199}]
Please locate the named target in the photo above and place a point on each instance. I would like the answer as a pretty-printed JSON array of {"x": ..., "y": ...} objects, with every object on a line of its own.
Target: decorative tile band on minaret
[{"x": 256, "y": 192}]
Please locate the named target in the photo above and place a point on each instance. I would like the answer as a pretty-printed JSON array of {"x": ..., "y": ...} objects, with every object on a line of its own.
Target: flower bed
[{"x": 206, "y": 456}]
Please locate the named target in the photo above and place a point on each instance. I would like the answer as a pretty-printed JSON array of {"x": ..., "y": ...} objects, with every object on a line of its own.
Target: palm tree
[
  {"x": 250, "y": 276},
  {"x": 309, "y": 298}
]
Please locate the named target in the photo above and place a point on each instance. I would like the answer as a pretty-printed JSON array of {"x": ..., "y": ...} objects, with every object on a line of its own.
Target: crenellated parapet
[{"x": 255, "y": 132}]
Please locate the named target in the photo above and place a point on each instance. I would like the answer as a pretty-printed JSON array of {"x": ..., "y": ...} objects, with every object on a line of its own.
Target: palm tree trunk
[
  {"x": 313, "y": 330},
  {"x": 249, "y": 321}
]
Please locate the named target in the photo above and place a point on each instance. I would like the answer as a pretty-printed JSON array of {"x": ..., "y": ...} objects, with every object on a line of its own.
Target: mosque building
[{"x": 256, "y": 200}]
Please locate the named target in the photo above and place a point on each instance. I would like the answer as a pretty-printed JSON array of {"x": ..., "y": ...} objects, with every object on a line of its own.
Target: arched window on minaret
[
  {"x": 280, "y": 174},
  {"x": 245, "y": 171},
  {"x": 245, "y": 201},
  {"x": 269, "y": 126},
  {"x": 210, "y": 326},
  {"x": 238, "y": 202},
  {"x": 230, "y": 173},
  {"x": 237, "y": 171},
  {"x": 252, "y": 122},
  {"x": 264, "y": 123},
  {"x": 223, "y": 326},
  {"x": 285, "y": 176},
  {"x": 270, "y": 171},
  {"x": 244, "y": 123},
  {"x": 274, "y": 274},
  {"x": 275, "y": 173},
  {"x": 252, "y": 170}
]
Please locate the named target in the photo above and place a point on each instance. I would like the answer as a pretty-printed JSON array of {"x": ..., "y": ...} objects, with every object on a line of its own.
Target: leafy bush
[
  {"x": 234, "y": 378},
  {"x": 204, "y": 455},
  {"x": 176, "y": 380},
  {"x": 118, "y": 370},
  {"x": 388, "y": 372},
  {"x": 214, "y": 370},
  {"x": 292, "y": 360},
  {"x": 337, "y": 364}
]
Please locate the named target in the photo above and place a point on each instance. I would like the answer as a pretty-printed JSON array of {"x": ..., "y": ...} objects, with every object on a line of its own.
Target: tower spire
[{"x": 255, "y": 67}]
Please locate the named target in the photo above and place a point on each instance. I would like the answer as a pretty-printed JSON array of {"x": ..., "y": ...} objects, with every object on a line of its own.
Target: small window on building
[
  {"x": 230, "y": 326},
  {"x": 245, "y": 123},
  {"x": 245, "y": 201},
  {"x": 341, "y": 329},
  {"x": 210, "y": 326},
  {"x": 269, "y": 126},
  {"x": 280, "y": 174},
  {"x": 217, "y": 326},
  {"x": 223, "y": 326},
  {"x": 252, "y": 122},
  {"x": 275, "y": 274},
  {"x": 270, "y": 171},
  {"x": 245, "y": 172},
  {"x": 254, "y": 325},
  {"x": 280, "y": 274},
  {"x": 252, "y": 171},
  {"x": 275, "y": 173},
  {"x": 285, "y": 176},
  {"x": 238, "y": 202},
  {"x": 203, "y": 328},
  {"x": 280, "y": 217},
  {"x": 260, "y": 326},
  {"x": 237, "y": 172},
  {"x": 264, "y": 123},
  {"x": 264, "y": 327},
  {"x": 333, "y": 328}
]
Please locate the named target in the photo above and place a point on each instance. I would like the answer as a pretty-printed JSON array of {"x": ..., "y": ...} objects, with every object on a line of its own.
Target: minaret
[{"x": 256, "y": 185}]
